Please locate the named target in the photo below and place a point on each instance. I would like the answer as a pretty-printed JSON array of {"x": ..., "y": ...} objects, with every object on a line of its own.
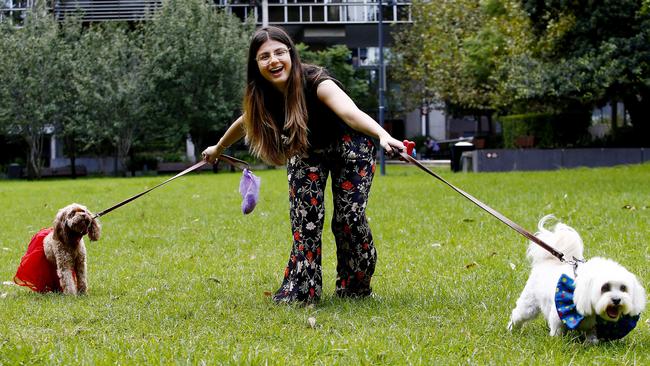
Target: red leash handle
[
  {"x": 487, "y": 208},
  {"x": 229, "y": 159}
]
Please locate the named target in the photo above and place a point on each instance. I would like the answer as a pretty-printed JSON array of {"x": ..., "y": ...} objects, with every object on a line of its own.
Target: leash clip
[{"x": 574, "y": 263}]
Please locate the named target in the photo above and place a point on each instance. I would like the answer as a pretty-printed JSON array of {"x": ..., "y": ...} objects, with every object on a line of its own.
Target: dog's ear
[
  {"x": 638, "y": 298},
  {"x": 583, "y": 293},
  {"x": 94, "y": 230},
  {"x": 59, "y": 225}
]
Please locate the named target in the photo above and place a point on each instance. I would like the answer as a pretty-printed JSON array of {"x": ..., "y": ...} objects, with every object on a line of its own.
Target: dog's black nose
[{"x": 616, "y": 301}]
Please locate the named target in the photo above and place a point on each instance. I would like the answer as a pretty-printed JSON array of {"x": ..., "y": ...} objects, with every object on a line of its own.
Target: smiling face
[
  {"x": 606, "y": 289},
  {"x": 274, "y": 63},
  {"x": 614, "y": 300}
]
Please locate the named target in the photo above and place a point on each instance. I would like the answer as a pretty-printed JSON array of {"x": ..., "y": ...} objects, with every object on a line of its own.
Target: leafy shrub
[{"x": 549, "y": 130}]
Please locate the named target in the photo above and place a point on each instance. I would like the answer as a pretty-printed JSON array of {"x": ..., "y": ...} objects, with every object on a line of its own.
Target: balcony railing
[
  {"x": 98, "y": 10},
  {"x": 284, "y": 12},
  {"x": 340, "y": 12},
  {"x": 14, "y": 10}
]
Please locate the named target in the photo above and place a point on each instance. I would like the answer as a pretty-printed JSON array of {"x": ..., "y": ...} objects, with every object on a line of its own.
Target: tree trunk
[
  {"x": 72, "y": 150},
  {"x": 614, "y": 121},
  {"x": 34, "y": 161},
  {"x": 490, "y": 126},
  {"x": 117, "y": 157},
  {"x": 124, "y": 146},
  {"x": 132, "y": 159},
  {"x": 639, "y": 109},
  {"x": 197, "y": 139}
]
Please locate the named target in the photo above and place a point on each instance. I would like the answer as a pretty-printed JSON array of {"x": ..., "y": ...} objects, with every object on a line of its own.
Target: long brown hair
[{"x": 264, "y": 135}]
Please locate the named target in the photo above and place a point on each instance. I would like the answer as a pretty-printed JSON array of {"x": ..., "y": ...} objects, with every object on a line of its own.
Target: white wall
[{"x": 437, "y": 124}]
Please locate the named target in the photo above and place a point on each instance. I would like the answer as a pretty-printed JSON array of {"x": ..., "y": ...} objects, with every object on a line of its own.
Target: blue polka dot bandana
[
  {"x": 564, "y": 304},
  {"x": 566, "y": 310}
]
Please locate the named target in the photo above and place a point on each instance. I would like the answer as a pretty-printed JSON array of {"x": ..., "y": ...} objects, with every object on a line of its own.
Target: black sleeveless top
[{"x": 324, "y": 126}]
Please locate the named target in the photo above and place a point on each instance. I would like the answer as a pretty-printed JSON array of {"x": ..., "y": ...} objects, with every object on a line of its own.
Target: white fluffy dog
[{"x": 604, "y": 304}]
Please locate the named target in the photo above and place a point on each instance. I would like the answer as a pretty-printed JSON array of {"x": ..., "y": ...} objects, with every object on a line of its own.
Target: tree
[
  {"x": 429, "y": 50},
  {"x": 32, "y": 81},
  {"x": 194, "y": 61},
  {"x": 109, "y": 80},
  {"x": 589, "y": 53},
  {"x": 453, "y": 51},
  {"x": 70, "y": 124},
  {"x": 527, "y": 55},
  {"x": 336, "y": 60}
]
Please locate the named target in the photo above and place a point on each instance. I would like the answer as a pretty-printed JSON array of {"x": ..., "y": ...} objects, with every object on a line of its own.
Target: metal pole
[
  {"x": 380, "y": 28},
  {"x": 265, "y": 13},
  {"x": 423, "y": 119}
]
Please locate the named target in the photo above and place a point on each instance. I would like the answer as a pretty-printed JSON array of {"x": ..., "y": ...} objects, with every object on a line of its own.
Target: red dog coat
[{"x": 35, "y": 271}]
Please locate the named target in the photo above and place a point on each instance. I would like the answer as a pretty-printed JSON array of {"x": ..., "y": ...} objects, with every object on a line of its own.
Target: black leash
[
  {"x": 491, "y": 211},
  {"x": 229, "y": 159}
]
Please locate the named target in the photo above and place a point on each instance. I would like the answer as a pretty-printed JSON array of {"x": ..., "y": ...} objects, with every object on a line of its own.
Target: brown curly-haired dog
[{"x": 56, "y": 257}]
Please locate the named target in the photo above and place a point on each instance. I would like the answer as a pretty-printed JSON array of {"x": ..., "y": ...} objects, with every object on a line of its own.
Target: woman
[{"x": 298, "y": 115}]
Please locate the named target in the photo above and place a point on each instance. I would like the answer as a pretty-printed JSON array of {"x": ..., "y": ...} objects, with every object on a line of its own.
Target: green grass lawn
[{"x": 180, "y": 275}]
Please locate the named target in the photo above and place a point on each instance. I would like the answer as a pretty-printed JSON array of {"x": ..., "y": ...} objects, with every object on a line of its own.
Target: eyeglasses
[{"x": 265, "y": 58}]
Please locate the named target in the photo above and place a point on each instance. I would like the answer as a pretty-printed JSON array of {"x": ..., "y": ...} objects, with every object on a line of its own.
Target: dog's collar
[{"x": 566, "y": 310}]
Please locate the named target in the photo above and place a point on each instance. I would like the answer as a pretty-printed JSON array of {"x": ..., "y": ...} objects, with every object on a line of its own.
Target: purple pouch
[{"x": 249, "y": 187}]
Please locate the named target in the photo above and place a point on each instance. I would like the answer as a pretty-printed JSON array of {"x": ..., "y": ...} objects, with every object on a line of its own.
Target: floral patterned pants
[{"x": 351, "y": 163}]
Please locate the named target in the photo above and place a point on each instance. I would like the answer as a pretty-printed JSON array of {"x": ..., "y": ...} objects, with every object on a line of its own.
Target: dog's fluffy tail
[{"x": 561, "y": 237}]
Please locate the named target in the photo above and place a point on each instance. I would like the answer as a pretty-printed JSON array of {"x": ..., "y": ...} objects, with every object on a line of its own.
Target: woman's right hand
[
  {"x": 211, "y": 153},
  {"x": 391, "y": 145}
]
